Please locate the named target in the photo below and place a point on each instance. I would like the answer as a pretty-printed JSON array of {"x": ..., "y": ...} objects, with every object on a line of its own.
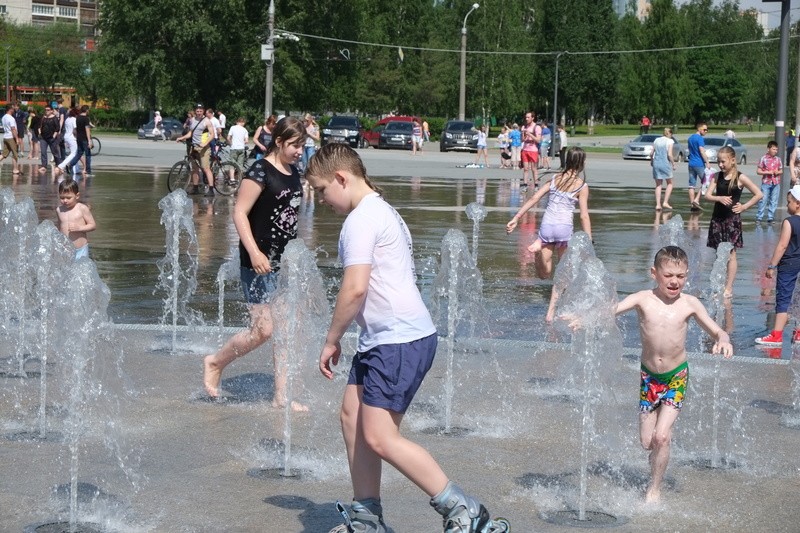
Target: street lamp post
[
  {"x": 555, "y": 98},
  {"x": 267, "y": 54},
  {"x": 783, "y": 85},
  {"x": 462, "y": 88},
  {"x": 8, "y": 89}
]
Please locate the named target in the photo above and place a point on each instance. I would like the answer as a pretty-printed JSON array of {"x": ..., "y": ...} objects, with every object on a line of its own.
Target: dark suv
[
  {"x": 342, "y": 129},
  {"x": 459, "y": 135}
]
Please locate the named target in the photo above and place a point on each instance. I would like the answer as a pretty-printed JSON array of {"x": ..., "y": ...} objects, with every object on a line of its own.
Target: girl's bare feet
[
  {"x": 297, "y": 407},
  {"x": 211, "y": 376},
  {"x": 536, "y": 246}
]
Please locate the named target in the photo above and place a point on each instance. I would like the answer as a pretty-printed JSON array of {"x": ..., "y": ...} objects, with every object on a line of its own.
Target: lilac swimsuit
[{"x": 556, "y": 225}]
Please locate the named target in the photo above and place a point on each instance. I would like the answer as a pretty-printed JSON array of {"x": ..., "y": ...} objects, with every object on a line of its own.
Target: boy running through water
[
  {"x": 75, "y": 219},
  {"x": 664, "y": 314},
  {"x": 396, "y": 346}
]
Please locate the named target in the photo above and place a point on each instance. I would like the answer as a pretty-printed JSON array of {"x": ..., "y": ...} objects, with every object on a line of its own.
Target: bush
[{"x": 118, "y": 119}]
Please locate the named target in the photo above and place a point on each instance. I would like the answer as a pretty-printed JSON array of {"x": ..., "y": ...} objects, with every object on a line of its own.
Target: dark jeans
[
  {"x": 54, "y": 148},
  {"x": 83, "y": 149}
]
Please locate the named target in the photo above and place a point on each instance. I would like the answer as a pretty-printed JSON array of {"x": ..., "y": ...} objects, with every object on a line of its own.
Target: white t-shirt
[
  {"x": 69, "y": 127},
  {"x": 216, "y": 124},
  {"x": 238, "y": 135},
  {"x": 222, "y": 120},
  {"x": 8, "y": 124},
  {"x": 393, "y": 311}
]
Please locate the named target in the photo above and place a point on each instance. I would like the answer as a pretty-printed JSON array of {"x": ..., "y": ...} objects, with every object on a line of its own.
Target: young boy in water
[
  {"x": 664, "y": 314},
  {"x": 396, "y": 347},
  {"x": 75, "y": 219}
]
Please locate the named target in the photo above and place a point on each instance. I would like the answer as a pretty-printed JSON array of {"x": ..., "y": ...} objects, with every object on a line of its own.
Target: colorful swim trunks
[{"x": 668, "y": 388}]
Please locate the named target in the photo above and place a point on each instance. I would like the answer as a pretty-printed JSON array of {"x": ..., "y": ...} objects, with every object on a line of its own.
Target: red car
[{"x": 372, "y": 137}]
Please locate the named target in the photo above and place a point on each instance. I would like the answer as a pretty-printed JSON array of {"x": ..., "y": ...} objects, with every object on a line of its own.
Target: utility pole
[
  {"x": 783, "y": 88},
  {"x": 268, "y": 54}
]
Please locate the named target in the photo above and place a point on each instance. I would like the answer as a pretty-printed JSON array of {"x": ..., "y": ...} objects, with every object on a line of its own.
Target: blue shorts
[
  {"x": 81, "y": 252},
  {"x": 784, "y": 285},
  {"x": 696, "y": 175},
  {"x": 257, "y": 288},
  {"x": 391, "y": 374}
]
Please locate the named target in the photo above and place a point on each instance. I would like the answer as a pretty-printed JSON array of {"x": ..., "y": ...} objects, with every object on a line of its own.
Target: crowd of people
[
  {"x": 398, "y": 340},
  {"x": 61, "y": 130}
]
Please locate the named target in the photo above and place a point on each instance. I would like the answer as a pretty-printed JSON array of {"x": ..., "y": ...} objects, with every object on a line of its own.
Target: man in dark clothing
[
  {"x": 49, "y": 137},
  {"x": 21, "y": 117},
  {"x": 83, "y": 134}
]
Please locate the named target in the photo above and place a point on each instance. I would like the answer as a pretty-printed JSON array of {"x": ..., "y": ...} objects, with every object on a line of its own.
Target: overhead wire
[{"x": 522, "y": 53}]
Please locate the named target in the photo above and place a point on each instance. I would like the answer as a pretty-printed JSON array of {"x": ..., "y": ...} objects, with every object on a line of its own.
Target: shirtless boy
[
  {"x": 75, "y": 219},
  {"x": 664, "y": 314}
]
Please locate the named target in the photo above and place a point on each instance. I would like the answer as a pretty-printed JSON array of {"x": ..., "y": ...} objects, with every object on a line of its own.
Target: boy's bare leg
[
  {"x": 526, "y": 167},
  {"x": 365, "y": 465},
  {"x": 381, "y": 430},
  {"x": 240, "y": 344},
  {"x": 655, "y": 431}
]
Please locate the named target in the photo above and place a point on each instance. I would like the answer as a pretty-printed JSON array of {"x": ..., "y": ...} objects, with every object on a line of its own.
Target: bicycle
[
  {"x": 227, "y": 175},
  {"x": 96, "y": 144}
]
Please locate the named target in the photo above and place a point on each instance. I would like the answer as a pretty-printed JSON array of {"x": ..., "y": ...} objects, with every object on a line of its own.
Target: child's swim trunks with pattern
[{"x": 668, "y": 388}]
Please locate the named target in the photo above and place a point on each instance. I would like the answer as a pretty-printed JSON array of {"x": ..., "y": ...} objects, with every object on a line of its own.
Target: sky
[{"x": 773, "y": 8}]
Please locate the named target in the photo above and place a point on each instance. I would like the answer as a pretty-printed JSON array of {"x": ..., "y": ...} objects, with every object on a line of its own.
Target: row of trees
[{"x": 169, "y": 54}]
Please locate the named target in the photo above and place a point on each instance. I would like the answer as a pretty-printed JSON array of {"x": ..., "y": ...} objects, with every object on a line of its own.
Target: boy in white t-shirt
[
  {"x": 10, "y": 138},
  {"x": 237, "y": 139},
  {"x": 396, "y": 347}
]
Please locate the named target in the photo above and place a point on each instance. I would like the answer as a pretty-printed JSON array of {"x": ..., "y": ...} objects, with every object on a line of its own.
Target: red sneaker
[
  {"x": 796, "y": 336},
  {"x": 773, "y": 339}
]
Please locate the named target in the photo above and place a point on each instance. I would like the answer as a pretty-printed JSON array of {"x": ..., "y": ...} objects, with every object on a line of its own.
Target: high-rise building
[
  {"x": 42, "y": 12},
  {"x": 641, "y": 7}
]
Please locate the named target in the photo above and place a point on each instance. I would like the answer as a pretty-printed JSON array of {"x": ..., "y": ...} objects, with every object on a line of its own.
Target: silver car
[
  {"x": 642, "y": 148},
  {"x": 713, "y": 144}
]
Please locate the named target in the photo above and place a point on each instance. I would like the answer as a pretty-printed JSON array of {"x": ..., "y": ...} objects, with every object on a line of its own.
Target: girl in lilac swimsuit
[{"x": 566, "y": 190}]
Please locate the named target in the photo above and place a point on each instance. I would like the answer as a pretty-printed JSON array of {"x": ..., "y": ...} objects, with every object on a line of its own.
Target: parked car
[
  {"x": 372, "y": 136},
  {"x": 459, "y": 135},
  {"x": 396, "y": 135},
  {"x": 342, "y": 129},
  {"x": 713, "y": 144},
  {"x": 172, "y": 127},
  {"x": 642, "y": 148}
]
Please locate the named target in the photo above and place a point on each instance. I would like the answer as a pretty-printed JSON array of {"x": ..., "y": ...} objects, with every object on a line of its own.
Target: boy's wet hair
[
  {"x": 68, "y": 185},
  {"x": 670, "y": 254},
  {"x": 287, "y": 128},
  {"x": 333, "y": 157},
  {"x": 771, "y": 144}
]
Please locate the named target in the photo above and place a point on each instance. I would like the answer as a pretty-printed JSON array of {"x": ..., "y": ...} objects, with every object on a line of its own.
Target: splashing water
[
  {"x": 716, "y": 308},
  {"x": 672, "y": 233},
  {"x": 456, "y": 304},
  {"x": 589, "y": 298},
  {"x": 87, "y": 298},
  {"x": 302, "y": 306},
  {"x": 476, "y": 212},
  {"x": 17, "y": 242},
  {"x": 229, "y": 270},
  {"x": 178, "y": 278},
  {"x": 54, "y": 255}
]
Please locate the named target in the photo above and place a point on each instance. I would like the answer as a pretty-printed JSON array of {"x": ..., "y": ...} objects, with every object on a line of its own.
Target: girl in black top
[
  {"x": 726, "y": 221},
  {"x": 265, "y": 216}
]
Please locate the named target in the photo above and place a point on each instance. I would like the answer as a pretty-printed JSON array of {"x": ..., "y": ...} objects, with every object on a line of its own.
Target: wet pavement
[{"x": 157, "y": 456}]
